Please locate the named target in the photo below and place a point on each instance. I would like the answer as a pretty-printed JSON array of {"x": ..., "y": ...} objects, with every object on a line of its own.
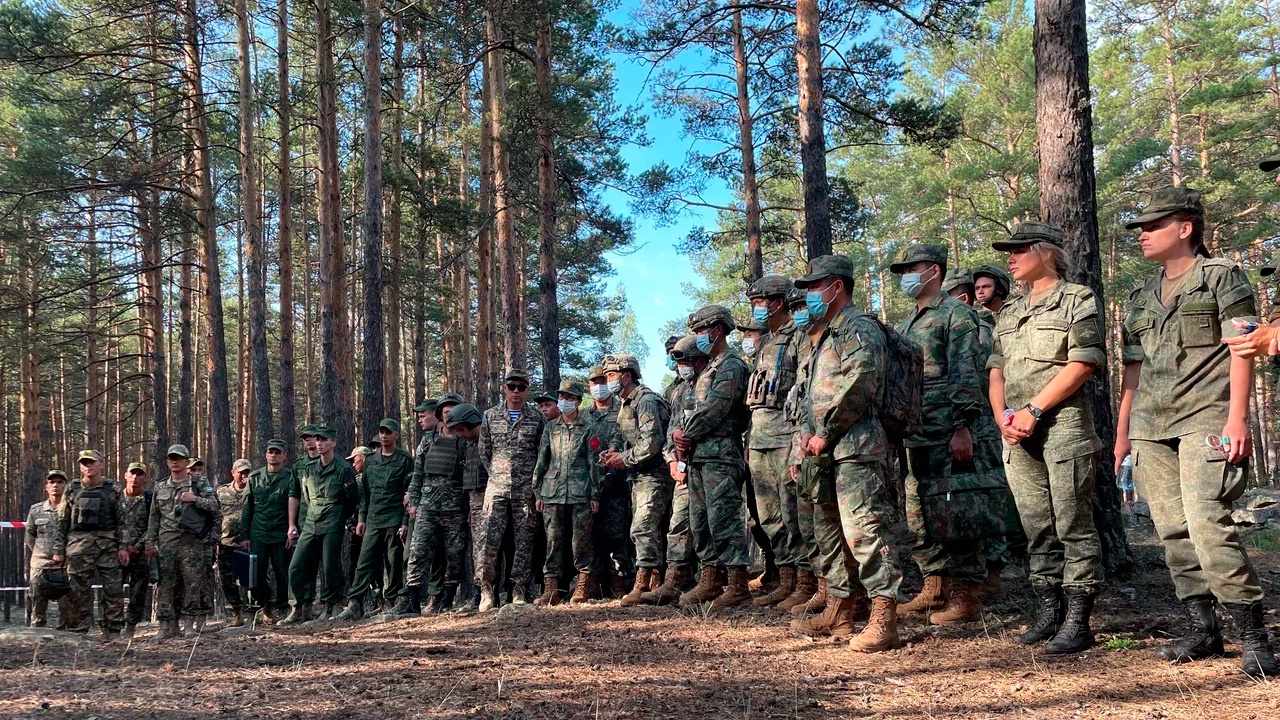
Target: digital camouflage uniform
[
  {"x": 433, "y": 577},
  {"x": 90, "y": 532},
  {"x": 441, "y": 525},
  {"x": 42, "y": 532},
  {"x": 231, "y": 505},
  {"x": 136, "y": 510},
  {"x": 510, "y": 451},
  {"x": 383, "y": 484},
  {"x": 611, "y": 529},
  {"x": 679, "y": 397},
  {"x": 641, "y": 434},
  {"x": 330, "y": 494},
  {"x": 185, "y": 559},
  {"x": 567, "y": 479},
  {"x": 264, "y": 518},
  {"x": 1183, "y": 395}
]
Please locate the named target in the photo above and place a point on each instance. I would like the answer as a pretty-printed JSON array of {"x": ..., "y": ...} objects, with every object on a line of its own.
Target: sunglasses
[{"x": 513, "y": 387}]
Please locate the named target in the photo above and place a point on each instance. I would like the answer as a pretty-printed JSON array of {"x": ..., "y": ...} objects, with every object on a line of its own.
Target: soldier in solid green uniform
[
  {"x": 1184, "y": 409},
  {"x": 42, "y": 532},
  {"x": 185, "y": 555},
  {"x": 953, "y": 403},
  {"x": 135, "y": 507},
  {"x": 1049, "y": 342},
  {"x": 327, "y": 487},
  {"x": 566, "y": 482},
  {"x": 264, "y": 524},
  {"x": 90, "y": 537},
  {"x": 611, "y": 533},
  {"x": 231, "y": 505},
  {"x": 383, "y": 523}
]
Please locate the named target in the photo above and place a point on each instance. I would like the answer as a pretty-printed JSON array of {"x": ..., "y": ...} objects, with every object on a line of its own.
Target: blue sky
[{"x": 654, "y": 273}]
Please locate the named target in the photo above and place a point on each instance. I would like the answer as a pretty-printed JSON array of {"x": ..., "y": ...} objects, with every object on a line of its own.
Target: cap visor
[
  {"x": 1269, "y": 164},
  {"x": 1145, "y": 218},
  {"x": 808, "y": 280},
  {"x": 899, "y": 268}
]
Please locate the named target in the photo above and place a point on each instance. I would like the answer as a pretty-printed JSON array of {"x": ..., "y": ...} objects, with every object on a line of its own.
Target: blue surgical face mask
[
  {"x": 800, "y": 318},
  {"x": 912, "y": 284},
  {"x": 704, "y": 342},
  {"x": 615, "y": 386},
  {"x": 566, "y": 405},
  {"x": 671, "y": 363},
  {"x": 600, "y": 392},
  {"x": 816, "y": 305},
  {"x": 686, "y": 372},
  {"x": 750, "y": 346},
  {"x": 760, "y": 314}
]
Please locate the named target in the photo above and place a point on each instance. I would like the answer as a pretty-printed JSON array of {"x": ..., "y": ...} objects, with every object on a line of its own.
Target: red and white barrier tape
[{"x": 15, "y": 525}]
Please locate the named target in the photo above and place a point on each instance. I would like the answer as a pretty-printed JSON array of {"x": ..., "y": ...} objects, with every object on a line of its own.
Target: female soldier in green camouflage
[{"x": 1048, "y": 342}]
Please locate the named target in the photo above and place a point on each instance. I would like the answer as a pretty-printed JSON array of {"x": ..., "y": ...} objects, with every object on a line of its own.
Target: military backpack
[{"x": 901, "y": 397}]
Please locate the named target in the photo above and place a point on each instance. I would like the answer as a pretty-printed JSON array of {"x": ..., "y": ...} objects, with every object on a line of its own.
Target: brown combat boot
[
  {"x": 836, "y": 620},
  {"x": 815, "y": 603},
  {"x": 786, "y": 586},
  {"x": 678, "y": 579},
  {"x": 933, "y": 596},
  {"x": 993, "y": 588},
  {"x": 550, "y": 592},
  {"x": 735, "y": 593},
  {"x": 641, "y": 585},
  {"x": 962, "y": 605},
  {"x": 707, "y": 589},
  {"x": 806, "y": 586},
  {"x": 881, "y": 632},
  {"x": 584, "y": 590}
]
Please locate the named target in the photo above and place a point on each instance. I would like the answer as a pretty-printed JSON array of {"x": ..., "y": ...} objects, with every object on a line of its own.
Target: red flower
[{"x": 595, "y": 443}]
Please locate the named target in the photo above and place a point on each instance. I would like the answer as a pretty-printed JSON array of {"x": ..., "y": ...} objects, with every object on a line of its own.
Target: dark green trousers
[
  {"x": 381, "y": 551},
  {"x": 313, "y": 553},
  {"x": 277, "y": 556}
]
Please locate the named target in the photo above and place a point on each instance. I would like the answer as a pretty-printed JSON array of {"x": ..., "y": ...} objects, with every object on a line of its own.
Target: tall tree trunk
[
  {"x": 486, "y": 333},
  {"x": 372, "y": 405},
  {"x": 29, "y": 369},
  {"x": 461, "y": 276},
  {"x": 337, "y": 372},
  {"x": 1068, "y": 198},
  {"x": 151, "y": 337},
  {"x": 509, "y": 255},
  {"x": 218, "y": 457},
  {"x": 186, "y": 314},
  {"x": 547, "y": 206},
  {"x": 93, "y": 393},
  {"x": 420, "y": 306},
  {"x": 813, "y": 143},
  {"x": 747, "y": 144},
  {"x": 257, "y": 263},
  {"x": 1171, "y": 94},
  {"x": 395, "y": 406},
  {"x": 284, "y": 236}
]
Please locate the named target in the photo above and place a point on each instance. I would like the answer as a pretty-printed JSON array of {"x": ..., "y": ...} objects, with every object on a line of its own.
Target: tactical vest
[
  {"x": 93, "y": 508},
  {"x": 774, "y": 374},
  {"x": 442, "y": 457},
  {"x": 474, "y": 475}
]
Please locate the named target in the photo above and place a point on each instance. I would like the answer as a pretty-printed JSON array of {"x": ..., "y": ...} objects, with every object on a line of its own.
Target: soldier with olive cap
[
  {"x": 1183, "y": 390},
  {"x": 42, "y": 533},
  {"x": 264, "y": 525},
  {"x": 185, "y": 557},
  {"x": 567, "y": 482},
  {"x": 424, "y": 414},
  {"x": 90, "y": 543},
  {"x": 231, "y": 504},
  {"x": 991, "y": 288},
  {"x": 845, "y": 470},
  {"x": 711, "y": 438},
  {"x": 1049, "y": 341},
  {"x": 135, "y": 507},
  {"x": 611, "y": 533}
]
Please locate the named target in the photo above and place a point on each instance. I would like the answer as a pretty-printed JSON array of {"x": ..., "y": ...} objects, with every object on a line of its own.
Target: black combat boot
[
  {"x": 1205, "y": 638},
  {"x": 1074, "y": 635},
  {"x": 1049, "y": 617},
  {"x": 404, "y": 605},
  {"x": 1257, "y": 659},
  {"x": 446, "y": 598}
]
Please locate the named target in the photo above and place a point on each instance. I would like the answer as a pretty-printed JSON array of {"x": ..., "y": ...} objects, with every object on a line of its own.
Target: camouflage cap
[
  {"x": 360, "y": 451},
  {"x": 573, "y": 387},
  {"x": 710, "y": 316},
  {"x": 241, "y": 464},
  {"x": 427, "y": 405},
  {"x": 178, "y": 451},
  {"x": 687, "y": 349},
  {"x": 671, "y": 342},
  {"x": 753, "y": 326},
  {"x": 465, "y": 414},
  {"x": 1167, "y": 201},
  {"x": 1269, "y": 163},
  {"x": 769, "y": 286},
  {"x": 596, "y": 371},
  {"x": 326, "y": 432},
  {"x": 277, "y": 444},
  {"x": 1030, "y": 233},
  {"x": 137, "y": 467},
  {"x": 795, "y": 300},
  {"x": 194, "y": 462},
  {"x": 619, "y": 362},
  {"x": 391, "y": 424},
  {"x": 1002, "y": 279},
  {"x": 89, "y": 455},
  {"x": 919, "y": 252},
  {"x": 955, "y": 278},
  {"x": 53, "y": 474},
  {"x": 826, "y": 266},
  {"x": 519, "y": 375}
]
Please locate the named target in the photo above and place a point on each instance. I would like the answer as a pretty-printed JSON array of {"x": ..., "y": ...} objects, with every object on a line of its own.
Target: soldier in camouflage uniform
[
  {"x": 264, "y": 525},
  {"x": 845, "y": 468},
  {"x": 711, "y": 439},
  {"x": 810, "y": 593},
  {"x": 991, "y": 289},
  {"x": 1182, "y": 390},
  {"x": 90, "y": 531},
  {"x": 185, "y": 557},
  {"x": 636, "y": 448},
  {"x": 769, "y": 442},
  {"x": 135, "y": 507},
  {"x": 1050, "y": 342},
  {"x": 947, "y": 331},
  {"x": 567, "y": 482},
  {"x": 509, "y": 439},
  {"x": 611, "y": 533},
  {"x": 411, "y": 601},
  {"x": 231, "y": 504},
  {"x": 42, "y": 532}
]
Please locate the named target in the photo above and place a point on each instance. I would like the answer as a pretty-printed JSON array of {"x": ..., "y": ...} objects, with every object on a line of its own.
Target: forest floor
[{"x": 604, "y": 661}]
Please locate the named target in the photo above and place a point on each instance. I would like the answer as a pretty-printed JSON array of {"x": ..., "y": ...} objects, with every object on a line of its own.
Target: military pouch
[
  {"x": 817, "y": 478},
  {"x": 89, "y": 514},
  {"x": 194, "y": 520},
  {"x": 968, "y": 505}
]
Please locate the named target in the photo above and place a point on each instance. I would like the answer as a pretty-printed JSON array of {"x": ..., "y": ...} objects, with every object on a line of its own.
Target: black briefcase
[{"x": 245, "y": 566}]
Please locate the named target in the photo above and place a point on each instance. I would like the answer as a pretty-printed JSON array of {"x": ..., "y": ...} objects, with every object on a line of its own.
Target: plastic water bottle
[{"x": 1124, "y": 480}]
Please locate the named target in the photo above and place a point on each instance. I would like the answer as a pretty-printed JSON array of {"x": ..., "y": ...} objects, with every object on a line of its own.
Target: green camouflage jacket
[
  {"x": 511, "y": 451},
  {"x": 567, "y": 471},
  {"x": 947, "y": 331},
  {"x": 719, "y": 416},
  {"x": 837, "y": 387},
  {"x": 771, "y": 381},
  {"x": 166, "y": 509}
]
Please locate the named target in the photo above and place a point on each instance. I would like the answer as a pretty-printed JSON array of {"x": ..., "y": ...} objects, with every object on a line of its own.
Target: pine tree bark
[
  {"x": 1068, "y": 199},
  {"x": 29, "y": 369},
  {"x": 547, "y": 206},
  {"x": 284, "y": 235},
  {"x": 464, "y": 375},
  {"x": 509, "y": 255},
  {"x": 395, "y": 406},
  {"x": 372, "y": 405},
  {"x": 186, "y": 313},
  {"x": 152, "y": 321},
  {"x": 813, "y": 143},
  {"x": 93, "y": 394},
  {"x": 486, "y": 333},
  {"x": 747, "y": 144}
]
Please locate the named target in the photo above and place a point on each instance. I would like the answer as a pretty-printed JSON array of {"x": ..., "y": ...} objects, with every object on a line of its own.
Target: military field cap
[
  {"x": 276, "y": 444},
  {"x": 1269, "y": 163},
  {"x": 1030, "y": 233},
  {"x": 596, "y": 372},
  {"x": 710, "y": 316},
  {"x": 919, "y": 252},
  {"x": 324, "y": 431},
  {"x": 541, "y": 396},
  {"x": 520, "y": 375},
  {"x": 391, "y": 424},
  {"x": 955, "y": 278},
  {"x": 752, "y": 326},
  {"x": 573, "y": 387},
  {"x": 1167, "y": 201},
  {"x": 137, "y": 467},
  {"x": 1002, "y": 279},
  {"x": 241, "y": 465},
  {"x": 360, "y": 451},
  {"x": 795, "y": 300},
  {"x": 89, "y": 455},
  {"x": 826, "y": 266},
  {"x": 770, "y": 286},
  {"x": 687, "y": 349},
  {"x": 307, "y": 430},
  {"x": 194, "y": 462},
  {"x": 55, "y": 473},
  {"x": 427, "y": 405},
  {"x": 671, "y": 342},
  {"x": 179, "y": 451},
  {"x": 465, "y": 414},
  {"x": 621, "y": 361}
]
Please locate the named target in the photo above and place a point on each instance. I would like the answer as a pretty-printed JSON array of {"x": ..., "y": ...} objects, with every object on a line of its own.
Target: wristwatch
[{"x": 1035, "y": 411}]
